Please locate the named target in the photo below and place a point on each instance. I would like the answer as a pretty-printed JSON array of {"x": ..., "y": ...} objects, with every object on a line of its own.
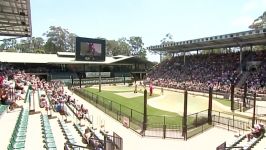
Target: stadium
[{"x": 207, "y": 95}]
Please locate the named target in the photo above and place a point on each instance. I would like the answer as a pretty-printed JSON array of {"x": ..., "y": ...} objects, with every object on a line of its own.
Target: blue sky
[{"x": 150, "y": 19}]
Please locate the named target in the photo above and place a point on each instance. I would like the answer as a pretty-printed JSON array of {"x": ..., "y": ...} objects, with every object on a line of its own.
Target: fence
[
  {"x": 231, "y": 122},
  {"x": 157, "y": 126},
  {"x": 163, "y": 126}
]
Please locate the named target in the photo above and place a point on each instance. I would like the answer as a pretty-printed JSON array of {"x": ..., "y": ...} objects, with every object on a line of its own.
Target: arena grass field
[
  {"x": 136, "y": 103},
  {"x": 155, "y": 116}
]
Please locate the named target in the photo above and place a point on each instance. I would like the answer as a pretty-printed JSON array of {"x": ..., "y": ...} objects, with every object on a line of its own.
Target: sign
[
  {"x": 125, "y": 122},
  {"x": 96, "y": 74}
]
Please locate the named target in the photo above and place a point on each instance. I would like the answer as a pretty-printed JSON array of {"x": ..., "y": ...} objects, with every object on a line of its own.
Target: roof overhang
[
  {"x": 252, "y": 37},
  {"x": 15, "y": 18},
  {"x": 36, "y": 58}
]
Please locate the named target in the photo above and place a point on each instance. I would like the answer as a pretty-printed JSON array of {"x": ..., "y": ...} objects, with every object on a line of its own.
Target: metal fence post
[{"x": 164, "y": 127}]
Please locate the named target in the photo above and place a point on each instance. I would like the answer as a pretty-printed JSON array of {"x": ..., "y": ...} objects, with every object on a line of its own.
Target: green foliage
[
  {"x": 120, "y": 47},
  {"x": 41, "y": 51},
  {"x": 50, "y": 47},
  {"x": 61, "y": 38},
  {"x": 137, "y": 47}
]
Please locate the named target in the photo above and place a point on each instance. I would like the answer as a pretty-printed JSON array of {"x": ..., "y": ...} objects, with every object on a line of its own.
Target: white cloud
[
  {"x": 242, "y": 21},
  {"x": 249, "y": 13},
  {"x": 254, "y": 5}
]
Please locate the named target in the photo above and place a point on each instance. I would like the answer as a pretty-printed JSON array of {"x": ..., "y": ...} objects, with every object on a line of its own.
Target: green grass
[
  {"x": 155, "y": 116},
  {"x": 225, "y": 102}
]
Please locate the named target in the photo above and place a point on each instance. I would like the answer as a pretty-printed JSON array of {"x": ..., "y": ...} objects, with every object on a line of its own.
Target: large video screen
[{"x": 88, "y": 49}]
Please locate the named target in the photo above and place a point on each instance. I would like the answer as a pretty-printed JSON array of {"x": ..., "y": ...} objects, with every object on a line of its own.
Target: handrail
[{"x": 73, "y": 145}]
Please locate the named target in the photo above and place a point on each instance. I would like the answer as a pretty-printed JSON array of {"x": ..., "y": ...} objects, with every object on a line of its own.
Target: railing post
[
  {"x": 130, "y": 114},
  {"x": 233, "y": 121},
  {"x": 219, "y": 118},
  {"x": 111, "y": 107},
  {"x": 164, "y": 127},
  {"x": 196, "y": 119},
  {"x": 228, "y": 124}
]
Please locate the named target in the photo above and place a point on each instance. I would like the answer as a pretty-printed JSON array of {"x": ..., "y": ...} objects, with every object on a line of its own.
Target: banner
[{"x": 96, "y": 74}]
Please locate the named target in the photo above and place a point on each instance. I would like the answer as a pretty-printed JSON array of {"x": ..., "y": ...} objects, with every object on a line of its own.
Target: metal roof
[
  {"x": 245, "y": 38},
  {"x": 12, "y": 57},
  {"x": 15, "y": 18}
]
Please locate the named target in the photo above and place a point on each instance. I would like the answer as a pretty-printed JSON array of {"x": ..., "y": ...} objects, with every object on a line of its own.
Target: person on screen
[{"x": 91, "y": 49}]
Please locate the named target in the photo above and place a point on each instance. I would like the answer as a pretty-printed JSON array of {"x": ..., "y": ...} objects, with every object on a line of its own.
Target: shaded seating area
[
  {"x": 18, "y": 138},
  {"x": 47, "y": 133},
  {"x": 3, "y": 109}
]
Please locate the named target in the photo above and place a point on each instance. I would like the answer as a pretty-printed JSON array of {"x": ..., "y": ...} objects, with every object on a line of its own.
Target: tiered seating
[
  {"x": 97, "y": 139},
  {"x": 252, "y": 142},
  {"x": 236, "y": 141},
  {"x": 18, "y": 138},
  {"x": 2, "y": 109},
  {"x": 47, "y": 133},
  {"x": 74, "y": 111},
  {"x": 27, "y": 97},
  {"x": 70, "y": 138},
  {"x": 79, "y": 129}
]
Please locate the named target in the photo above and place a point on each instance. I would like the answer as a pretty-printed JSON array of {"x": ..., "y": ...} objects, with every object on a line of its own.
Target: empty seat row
[
  {"x": 79, "y": 129},
  {"x": 236, "y": 141},
  {"x": 18, "y": 137},
  {"x": 47, "y": 133},
  {"x": 69, "y": 137}
]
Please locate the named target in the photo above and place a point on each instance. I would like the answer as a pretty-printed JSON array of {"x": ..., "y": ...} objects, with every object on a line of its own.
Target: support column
[
  {"x": 210, "y": 106},
  {"x": 80, "y": 81},
  {"x": 100, "y": 78},
  {"x": 184, "y": 128},
  {"x": 72, "y": 80},
  {"x": 240, "y": 60},
  {"x": 184, "y": 58},
  {"x": 245, "y": 95},
  {"x": 144, "y": 124},
  {"x": 254, "y": 109},
  {"x": 232, "y": 96},
  {"x": 160, "y": 57}
]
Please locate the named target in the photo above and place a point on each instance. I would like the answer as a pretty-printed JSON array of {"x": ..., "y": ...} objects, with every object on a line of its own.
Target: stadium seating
[
  {"x": 202, "y": 70},
  {"x": 18, "y": 138},
  {"x": 47, "y": 133}
]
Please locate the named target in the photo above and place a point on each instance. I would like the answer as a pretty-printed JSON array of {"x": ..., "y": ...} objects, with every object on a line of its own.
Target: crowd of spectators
[
  {"x": 12, "y": 84},
  {"x": 204, "y": 70}
]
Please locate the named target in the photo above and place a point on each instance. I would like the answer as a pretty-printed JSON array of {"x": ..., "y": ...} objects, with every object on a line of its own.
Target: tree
[
  {"x": 8, "y": 44},
  {"x": 62, "y": 39},
  {"x": 120, "y": 47},
  {"x": 23, "y": 46},
  {"x": 50, "y": 47},
  {"x": 137, "y": 48},
  {"x": 166, "y": 40},
  {"x": 37, "y": 42},
  {"x": 71, "y": 41}
]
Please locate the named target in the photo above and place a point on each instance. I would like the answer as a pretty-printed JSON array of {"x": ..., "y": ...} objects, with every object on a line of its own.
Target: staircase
[{"x": 243, "y": 78}]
